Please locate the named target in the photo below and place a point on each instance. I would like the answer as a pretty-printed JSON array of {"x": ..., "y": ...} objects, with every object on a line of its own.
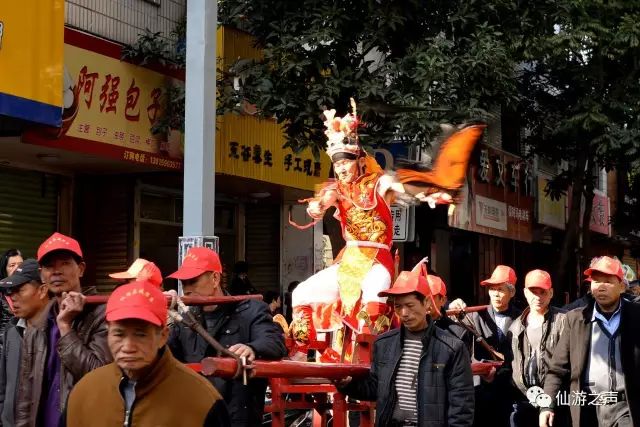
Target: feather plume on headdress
[{"x": 342, "y": 132}]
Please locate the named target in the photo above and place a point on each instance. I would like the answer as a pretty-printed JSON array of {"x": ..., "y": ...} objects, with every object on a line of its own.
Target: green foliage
[
  {"x": 172, "y": 116},
  {"x": 410, "y": 64},
  {"x": 156, "y": 48}
]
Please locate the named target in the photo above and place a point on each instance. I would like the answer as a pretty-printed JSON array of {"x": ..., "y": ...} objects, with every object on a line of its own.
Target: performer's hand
[
  {"x": 315, "y": 209},
  {"x": 342, "y": 382},
  {"x": 243, "y": 350},
  {"x": 546, "y": 419},
  {"x": 457, "y": 304}
]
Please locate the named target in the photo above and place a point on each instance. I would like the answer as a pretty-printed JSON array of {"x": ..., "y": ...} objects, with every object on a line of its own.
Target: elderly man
[
  {"x": 420, "y": 374},
  {"x": 494, "y": 393},
  {"x": 246, "y": 328},
  {"x": 598, "y": 355},
  {"x": 146, "y": 385},
  {"x": 535, "y": 335},
  {"x": 29, "y": 298},
  {"x": 65, "y": 344}
]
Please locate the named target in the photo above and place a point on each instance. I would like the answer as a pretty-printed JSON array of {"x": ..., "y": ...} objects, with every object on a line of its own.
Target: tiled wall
[{"x": 123, "y": 20}]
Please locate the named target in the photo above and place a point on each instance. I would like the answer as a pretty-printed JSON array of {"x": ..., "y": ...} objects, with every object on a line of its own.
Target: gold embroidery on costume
[{"x": 354, "y": 266}]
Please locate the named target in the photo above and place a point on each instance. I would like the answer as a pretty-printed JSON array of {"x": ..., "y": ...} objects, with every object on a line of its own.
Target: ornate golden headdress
[{"x": 342, "y": 132}]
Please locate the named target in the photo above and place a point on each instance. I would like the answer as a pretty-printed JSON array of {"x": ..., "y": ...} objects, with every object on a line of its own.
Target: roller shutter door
[
  {"x": 263, "y": 246},
  {"x": 28, "y": 209}
]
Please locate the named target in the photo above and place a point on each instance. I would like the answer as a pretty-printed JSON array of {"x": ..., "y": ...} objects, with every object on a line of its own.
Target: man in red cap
[
  {"x": 145, "y": 385},
  {"x": 420, "y": 374},
  {"x": 439, "y": 292},
  {"x": 598, "y": 355},
  {"x": 534, "y": 337},
  {"x": 246, "y": 328},
  {"x": 494, "y": 392},
  {"x": 68, "y": 342},
  {"x": 141, "y": 269}
]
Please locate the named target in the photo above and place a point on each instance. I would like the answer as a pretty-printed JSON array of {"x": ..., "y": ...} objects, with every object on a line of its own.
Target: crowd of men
[{"x": 67, "y": 362}]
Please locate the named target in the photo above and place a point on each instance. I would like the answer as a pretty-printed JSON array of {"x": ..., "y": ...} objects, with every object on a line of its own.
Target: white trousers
[{"x": 322, "y": 287}]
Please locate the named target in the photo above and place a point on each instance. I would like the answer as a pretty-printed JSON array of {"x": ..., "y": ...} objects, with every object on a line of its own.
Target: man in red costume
[{"x": 346, "y": 293}]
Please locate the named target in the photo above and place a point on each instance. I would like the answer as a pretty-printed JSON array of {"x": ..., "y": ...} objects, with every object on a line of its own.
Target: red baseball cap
[
  {"x": 437, "y": 286},
  {"x": 138, "y": 300},
  {"x": 141, "y": 269},
  {"x": 59, "y": 242},
  {"x": 606, "y": 265},
  {"x": 537, "y": 279},
  {"x": 406, "y": 283},
  {"x": 502, "y": 274},
  {"x": 198, "y": 261}
]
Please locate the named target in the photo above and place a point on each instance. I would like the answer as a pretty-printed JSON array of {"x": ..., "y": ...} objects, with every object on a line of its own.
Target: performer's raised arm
[{"x": 319, "y": 205}]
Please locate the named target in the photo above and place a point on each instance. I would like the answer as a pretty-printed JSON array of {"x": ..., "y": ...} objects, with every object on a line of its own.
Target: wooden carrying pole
[
  {"x": 188, "y": 300},
  {"x": 226, "y": 367}
]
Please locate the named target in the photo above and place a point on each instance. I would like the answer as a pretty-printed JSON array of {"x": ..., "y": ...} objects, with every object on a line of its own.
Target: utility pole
[{"x": 200, "y": 127}]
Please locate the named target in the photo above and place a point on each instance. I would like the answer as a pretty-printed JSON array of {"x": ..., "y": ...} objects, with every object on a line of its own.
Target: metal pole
[
  {"x": 200, "y": 119},
  {"x": 198, "y": 224}
]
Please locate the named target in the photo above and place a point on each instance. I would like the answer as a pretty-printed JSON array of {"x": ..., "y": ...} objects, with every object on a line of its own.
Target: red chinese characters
[
  {"x": 131, "y": 112},
  {"x": 109, "y": 94},
  {"x": 86, "y": 83},
  {"x": 154, "y": 108}
]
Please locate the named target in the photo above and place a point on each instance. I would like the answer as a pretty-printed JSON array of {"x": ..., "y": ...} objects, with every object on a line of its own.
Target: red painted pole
[
  {"x": 188, "y": 300},
  {"x": 226, "y": 367},
  {"x": 455, "y": 311}
]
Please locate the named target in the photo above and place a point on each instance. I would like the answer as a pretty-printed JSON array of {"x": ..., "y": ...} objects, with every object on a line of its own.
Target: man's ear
[
  {"x": 215, "y": 278},
  {"x": 82, "y": 266}
]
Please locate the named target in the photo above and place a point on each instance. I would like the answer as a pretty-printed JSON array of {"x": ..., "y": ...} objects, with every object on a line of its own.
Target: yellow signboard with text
[
  {"x": 252, "y": 148},
  {"x": 31, "y": 60},
  {"x": 113, "y": 106}
]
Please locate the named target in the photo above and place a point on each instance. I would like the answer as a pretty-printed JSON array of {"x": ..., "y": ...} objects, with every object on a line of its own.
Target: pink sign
[{"x": 600, "y": 214}]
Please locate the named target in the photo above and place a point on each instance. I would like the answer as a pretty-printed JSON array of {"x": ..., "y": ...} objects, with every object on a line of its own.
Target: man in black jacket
[
  {"x": 495, "y": 393},
  {"x": 246, "y": 328},
  {"x": 420, "y": 374},
  {"x": 29, "y": 297}
]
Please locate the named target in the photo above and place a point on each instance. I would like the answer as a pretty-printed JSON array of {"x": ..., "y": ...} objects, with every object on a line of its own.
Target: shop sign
[
  {"x": 498, "y": 198},
  {"x": 550, "y": 212},
  {"x": 110, "y": 106},
  {"x": 253, "y": 148},
  {"x": 31, "y": 60},
  {"x": 600, "y": 214},
  {"x": 491, "y": 213},
  {"x": 403, "y": 223}
]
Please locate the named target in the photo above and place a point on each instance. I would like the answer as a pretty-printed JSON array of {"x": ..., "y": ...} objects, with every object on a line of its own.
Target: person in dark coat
[
  {"x": 246, "y": 328},
  {"x": 240, "y": 284},
  {"x": 30, "y": 298},
  {"x": 9, "y": 261},
  {"x": 420, "y": 374},
  {"x": 598, "y": 355},
  {"x": 495, "y": 393},
  {"x": 439, "y": 292}
]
